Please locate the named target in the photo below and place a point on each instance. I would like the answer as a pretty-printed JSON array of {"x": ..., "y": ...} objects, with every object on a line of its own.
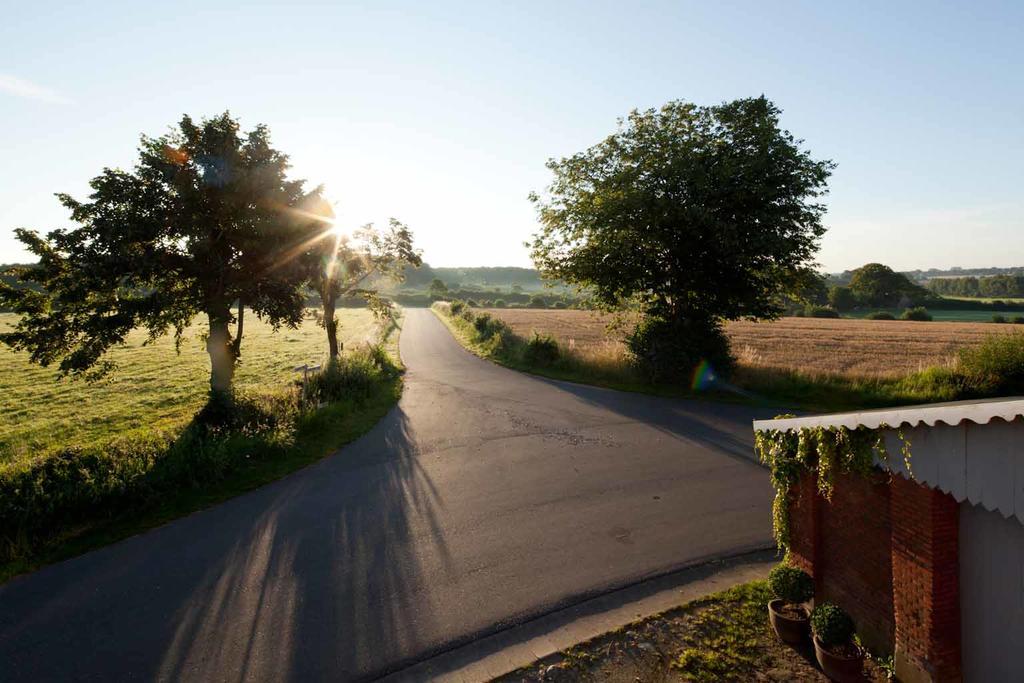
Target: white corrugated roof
[{"x": 953, "y": 413}]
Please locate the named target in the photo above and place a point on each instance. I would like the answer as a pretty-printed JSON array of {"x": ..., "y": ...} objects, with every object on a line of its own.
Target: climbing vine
[{"x": 826, "y": 451}]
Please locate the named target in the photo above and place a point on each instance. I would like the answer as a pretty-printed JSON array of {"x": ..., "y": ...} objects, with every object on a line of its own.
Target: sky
[{"x": 443, "y": 114}]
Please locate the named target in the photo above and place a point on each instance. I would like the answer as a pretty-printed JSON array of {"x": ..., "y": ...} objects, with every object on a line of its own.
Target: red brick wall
[
  {"x": 926, "y": 525},
  {"x": 854, "y": 557},
  {"x": 886, "y": 550}
]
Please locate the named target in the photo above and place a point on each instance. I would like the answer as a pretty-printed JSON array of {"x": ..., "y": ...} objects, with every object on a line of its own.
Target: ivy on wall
[{"x": 826, "y": 451}]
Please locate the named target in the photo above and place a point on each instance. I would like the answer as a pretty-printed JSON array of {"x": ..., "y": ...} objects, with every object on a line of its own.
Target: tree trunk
[
  {"x": 236, "y": 345},
  {"x": 329, "y": 299},
  {"x": 222, "y": 357}
]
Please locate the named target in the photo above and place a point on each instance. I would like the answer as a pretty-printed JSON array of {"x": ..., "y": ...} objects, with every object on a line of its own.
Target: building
[{"x": 929, "y": 564}]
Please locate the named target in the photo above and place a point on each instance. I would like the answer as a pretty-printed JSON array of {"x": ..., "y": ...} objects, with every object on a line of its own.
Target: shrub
[
  {"x": 558, "y": 304},
  {"x": 916, "y": 313},
  {"x": 488, "y": 326},
  {"x": 999, "y": 319},
  {"x": 995, "y": 365},
  {"x": 670, "y": 350},
  {"x": 790, "y": 584},
  {"x": 832, "y": 625},
  {"x": 1017, "y": 320},
  {"x": 500, "y": 303},
  {"x": 541, "y": 350},
  {"x": 456, "y": 307},
  {"x": 468, "y": 315},
  {"x": 471, "y": 302},
  {"x": 812, "y": 311},
  {"x": 881, "y": 315},
  {"x": 350, "y": 377}
]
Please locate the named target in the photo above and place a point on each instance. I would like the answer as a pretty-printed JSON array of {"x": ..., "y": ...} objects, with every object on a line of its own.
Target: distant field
[
  {"x": 152, "y": 387},
  {"x": 813, "y": 345}
]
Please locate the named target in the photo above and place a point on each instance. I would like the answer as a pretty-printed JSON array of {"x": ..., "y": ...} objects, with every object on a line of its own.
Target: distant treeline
[
  {"x": 487, "y": 277},
  {"x": 992, "y": 287}
]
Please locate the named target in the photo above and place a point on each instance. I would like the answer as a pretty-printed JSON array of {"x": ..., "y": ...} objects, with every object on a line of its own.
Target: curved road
[{"x": 484, "y": 498}]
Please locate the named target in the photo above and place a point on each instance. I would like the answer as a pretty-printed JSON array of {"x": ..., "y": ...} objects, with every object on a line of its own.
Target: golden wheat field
[{"x": 812, "y": 345}]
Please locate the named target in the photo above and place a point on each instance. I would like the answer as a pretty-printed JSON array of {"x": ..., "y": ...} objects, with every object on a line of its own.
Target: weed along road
[{"x": 484, "y": 498}]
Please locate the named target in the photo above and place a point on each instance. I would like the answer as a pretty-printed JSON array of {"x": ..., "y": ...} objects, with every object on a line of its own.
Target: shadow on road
[{"x": 294, "y": 583}]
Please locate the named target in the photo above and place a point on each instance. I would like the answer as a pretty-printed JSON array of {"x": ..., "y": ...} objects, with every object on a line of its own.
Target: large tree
[
  {"x": 201, "y": 222},
  {"x": 347, "y": 265},
  {"x": 875, "y": 284},
  {"x": 693, "y": 214}
]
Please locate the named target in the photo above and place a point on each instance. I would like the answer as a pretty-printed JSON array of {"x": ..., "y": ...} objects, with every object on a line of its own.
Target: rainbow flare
[{"x": 703, "y": 376}]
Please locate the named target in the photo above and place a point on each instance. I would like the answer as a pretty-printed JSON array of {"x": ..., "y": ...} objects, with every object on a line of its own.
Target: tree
[
  {"x": 841, "y": 298},
  {"x": 438, "y": 289},
  {"x": 345, "y": 265},
  {"x": 202, "y": 221},
  {"x": 877, "y": 285},
  {"x": 695, "y": 214}
]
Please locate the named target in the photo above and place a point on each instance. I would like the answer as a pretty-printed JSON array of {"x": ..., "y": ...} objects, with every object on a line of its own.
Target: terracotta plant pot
[
  {"x": 837, "y": 667},
  {"x": 788, "y": 629}
]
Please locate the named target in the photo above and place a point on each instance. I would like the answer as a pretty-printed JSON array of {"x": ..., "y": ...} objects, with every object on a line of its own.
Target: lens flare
[{"x": 703, "y": 377}]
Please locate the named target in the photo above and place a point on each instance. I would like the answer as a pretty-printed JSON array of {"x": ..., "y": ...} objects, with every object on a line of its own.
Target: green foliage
[
  {"x": 919, "y": 313},
  {"x": 58, "y": 493},
  {"x": 438, "y": 289},
  {"x": 1000, "y": 319},
  {"x": 832, "y": 625},
  {"x": 1017, "y": 320},
  {"x": 626, "y": 217},
  {"x": 541, "y": 350},
  {"x": 880, "y": 286},
  {"x": 500, "y": 303},
  {"x": 827, "y": 451},
  {"x": 192, "y": 228},
  {"x": 791, "y": 585},
  {"x": 881, "y": 315},
  {"x": 996, "y": 366},
  {"x": 994, "y": 286},
  {"x": 841, "y": 298},
  {"x": 537, "y": 301},
  {"x": 820, "y": 312},
  {"x": 668, "y": 350},
  {"x": 456, "y": 307}
]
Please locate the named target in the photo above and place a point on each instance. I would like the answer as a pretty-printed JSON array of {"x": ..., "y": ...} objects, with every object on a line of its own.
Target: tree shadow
[{"x": 321, "y": 574}]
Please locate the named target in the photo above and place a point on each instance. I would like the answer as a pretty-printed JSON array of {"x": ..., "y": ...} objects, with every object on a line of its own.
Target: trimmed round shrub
[
  {"x": 1017, "y": 320},
  {"x": 541, "y": 349},
  {"x": 919, "y": 313},
  {"x": 790, "y": 584},
  {"x": 668, "y": 351},
  {"x": 832, "y": 625},
  {"x": 881, "y": 315},
  {"x": 812, "y": 311},
  {"x": 558, "y": 304},
  {"x": 999, "y": 319},
  {"x": 500, "y": 303}
]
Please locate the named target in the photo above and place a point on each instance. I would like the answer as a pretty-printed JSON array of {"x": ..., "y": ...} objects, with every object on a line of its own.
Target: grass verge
[
  {"x": 73, "y": 500},
  {"x": 723, "y": 637},
  {"x": 995, "y": 368}
]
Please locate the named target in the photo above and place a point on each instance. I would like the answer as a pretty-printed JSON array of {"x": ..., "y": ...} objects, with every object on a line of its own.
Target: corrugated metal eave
[{"x": 952, "y": 414}]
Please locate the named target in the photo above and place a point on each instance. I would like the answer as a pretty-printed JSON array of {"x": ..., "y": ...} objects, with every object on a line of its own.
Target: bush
[
  {"x": 468, "y": 315},
  {"x": 996, "y": 365},
  {"x": 350, "y": 377},
  {"x": 812, "y": 311},
  {"x": 471, "y": 302},
  {"x": 881, "y": 315},
  {"x": 919, "y": 313},
  {"x": 456, "y": 307},
  {"x": 541, "y": 350},
  {"x": 841, "y": 298},
  {"x": 558, "y": 304},
  {"x": 669, "y": 351},
  {"x": 499, "y": 303},
  {"x": 1017, "y": 320},
  {"x": 832, "y": 625},
  {"x": 488, "y": 326},
  {"x": 999, "y": 319},
  {"x": 790, "y": 584}
]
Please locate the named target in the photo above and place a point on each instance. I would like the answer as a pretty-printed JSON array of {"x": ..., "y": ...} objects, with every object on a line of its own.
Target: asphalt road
[{"x": 484, "y": 498}]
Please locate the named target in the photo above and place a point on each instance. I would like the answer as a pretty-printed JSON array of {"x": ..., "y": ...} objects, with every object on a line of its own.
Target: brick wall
[{"x": 885, "y": 549}]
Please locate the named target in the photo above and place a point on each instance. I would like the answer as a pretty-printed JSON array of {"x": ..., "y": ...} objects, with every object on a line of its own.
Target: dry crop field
[{"x": 812, "y": 345}]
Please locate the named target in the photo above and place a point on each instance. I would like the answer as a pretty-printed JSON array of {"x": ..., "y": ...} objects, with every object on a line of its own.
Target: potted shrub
[
  {"x": 787, "y": 613},
  {"x": 839, "y": 657}
]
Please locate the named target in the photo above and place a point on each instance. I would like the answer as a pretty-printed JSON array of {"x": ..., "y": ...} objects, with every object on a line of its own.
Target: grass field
[
  {"x": 153, "y": 388},
  {"x": 810, "y": 345}
]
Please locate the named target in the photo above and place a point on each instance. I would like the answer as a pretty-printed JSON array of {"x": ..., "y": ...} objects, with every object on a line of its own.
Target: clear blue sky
[{"x": 442, "y": 114}]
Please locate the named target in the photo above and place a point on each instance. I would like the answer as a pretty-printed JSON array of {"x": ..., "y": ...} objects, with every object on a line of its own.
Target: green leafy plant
[
  {"x": 999, "y": 319},
  {"x": 790, "y": 584},
  {"x": 541, "y": 349},
  {"x": 881, "y": 315},
  {"x": 995, "y": 365},
  {"x": 919, "y": 313},
  {"x": 832, "y": 625},
  {"x": 812, "y": 311}
]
